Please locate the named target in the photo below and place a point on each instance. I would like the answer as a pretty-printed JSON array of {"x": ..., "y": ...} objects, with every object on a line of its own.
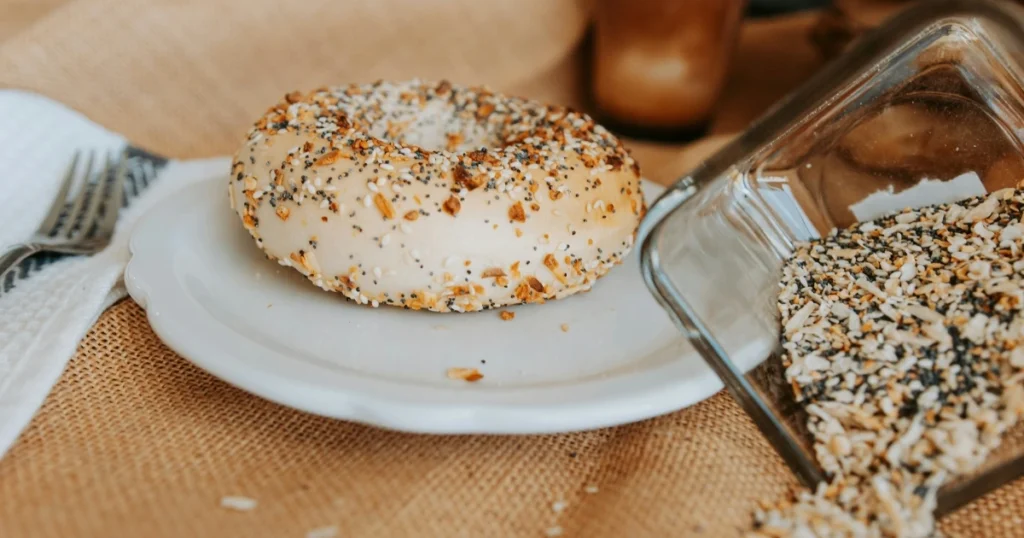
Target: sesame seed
[{"x": 238, "y": 503}]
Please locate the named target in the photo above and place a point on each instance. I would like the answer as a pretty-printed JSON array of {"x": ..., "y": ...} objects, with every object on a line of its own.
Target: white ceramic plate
[{"x": 214, "y": 298}]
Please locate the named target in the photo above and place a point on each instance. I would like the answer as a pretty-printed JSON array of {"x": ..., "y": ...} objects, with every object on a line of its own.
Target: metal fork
[{"x": 79, "y": 224}]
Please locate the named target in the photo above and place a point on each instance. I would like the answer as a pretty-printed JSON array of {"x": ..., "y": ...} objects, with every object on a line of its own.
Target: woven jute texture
[{"x": 135, "y": 441}]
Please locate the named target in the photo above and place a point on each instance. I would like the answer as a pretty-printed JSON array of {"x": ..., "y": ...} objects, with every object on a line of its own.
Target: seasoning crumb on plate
[
  {"x": 565, "y": 327},
  {"x": 238, "y": 502},
  {"x": 465, "y": 374},
  {"x": 559, "y": 506},
  {"x": 329, "y": 531},
  {"x": 506, "y": 315},
  {"x": 552, "y": 532},
  {"x": 899, "y": 338},
  {"x": 590, "y": 489}
]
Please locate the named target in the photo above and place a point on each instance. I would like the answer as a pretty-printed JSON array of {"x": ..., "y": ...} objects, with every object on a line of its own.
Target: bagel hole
[{"x": 440, "y": 124}]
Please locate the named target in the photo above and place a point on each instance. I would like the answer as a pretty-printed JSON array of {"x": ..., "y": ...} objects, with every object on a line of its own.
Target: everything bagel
[{"x": 436, "y": 196}]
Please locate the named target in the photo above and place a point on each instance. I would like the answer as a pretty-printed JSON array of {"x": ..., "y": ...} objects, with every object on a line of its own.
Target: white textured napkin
[{"x": 49, "y": 310}]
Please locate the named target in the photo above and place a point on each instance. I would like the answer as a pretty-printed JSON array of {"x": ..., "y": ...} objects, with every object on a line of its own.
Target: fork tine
[
  {"x": 114, "y": 200},
  {"x": 68, "y": 226},
  {"x": 61, "y": 200},
  {"x": 149, "y": 175},
  {"x": 96, "y": 198},
  {"x": 131, "y": 187}
]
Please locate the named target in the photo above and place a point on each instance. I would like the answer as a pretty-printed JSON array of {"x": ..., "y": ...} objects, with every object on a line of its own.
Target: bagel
[{"x": 436, "y": 196}]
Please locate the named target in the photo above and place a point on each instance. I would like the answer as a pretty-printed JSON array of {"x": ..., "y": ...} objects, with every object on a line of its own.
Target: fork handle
[{"x": 13, "y": 255}]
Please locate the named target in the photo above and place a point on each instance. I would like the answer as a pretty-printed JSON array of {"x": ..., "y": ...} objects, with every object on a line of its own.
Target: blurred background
[{"x": 676, "y": 77}]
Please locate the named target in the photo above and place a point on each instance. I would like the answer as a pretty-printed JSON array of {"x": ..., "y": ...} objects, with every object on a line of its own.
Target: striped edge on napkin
[{"x": 51, "y": 302}]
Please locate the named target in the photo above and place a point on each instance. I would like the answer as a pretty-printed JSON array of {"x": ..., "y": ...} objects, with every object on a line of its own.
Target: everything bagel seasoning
[{"x": 902, "y": 339}]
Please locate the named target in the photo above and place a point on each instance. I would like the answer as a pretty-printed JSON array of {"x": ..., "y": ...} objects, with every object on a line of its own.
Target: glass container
[{"x": 927, "y": 108}]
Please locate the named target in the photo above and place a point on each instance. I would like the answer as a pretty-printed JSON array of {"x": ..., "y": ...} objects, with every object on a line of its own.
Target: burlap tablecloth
[{"x": 135, "y": 441}]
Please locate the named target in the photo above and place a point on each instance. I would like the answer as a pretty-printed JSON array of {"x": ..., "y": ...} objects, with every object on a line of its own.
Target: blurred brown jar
[{"x": 659, "y": 65}]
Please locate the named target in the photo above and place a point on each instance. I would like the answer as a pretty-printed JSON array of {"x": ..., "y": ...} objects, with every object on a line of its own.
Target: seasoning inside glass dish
[
  {"x": 870, "y": 225},
  {"x": 900, "y": 338}
]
